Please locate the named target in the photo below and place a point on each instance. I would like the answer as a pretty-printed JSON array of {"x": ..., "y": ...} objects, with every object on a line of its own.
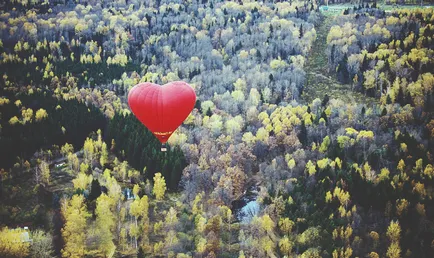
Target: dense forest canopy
[
  {"x": 330, "y": 178},
  {"x": 394, "y": 60},
  {"x": 31, "y": 122}
]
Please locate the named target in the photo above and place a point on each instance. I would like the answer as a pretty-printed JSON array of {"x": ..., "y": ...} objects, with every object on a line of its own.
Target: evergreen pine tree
[
  {"x": 332, "y": 54},
  {"x": 400, "y": 97},
  {"x": 95, "y": 190},
  {"x": 325, "y": 100},
  {"x": 302, "y": 135},
  {"x": 301, "y": 31},
  {"x": 365, "y": 63},
  {"x": 140, "y": 253},
  {"x": 208, "y": 112},
  {"x": 324, "y": 116},
  {"x": 388, "y": 99}
]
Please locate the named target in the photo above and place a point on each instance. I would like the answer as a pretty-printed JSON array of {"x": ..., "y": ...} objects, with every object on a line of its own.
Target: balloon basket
[{"x": 163, "y": 147}]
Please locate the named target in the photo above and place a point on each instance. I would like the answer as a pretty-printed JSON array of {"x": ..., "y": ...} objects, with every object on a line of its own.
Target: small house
[
  {"x": 25, "y": 236},
  {"x": 22, "y": 234}
]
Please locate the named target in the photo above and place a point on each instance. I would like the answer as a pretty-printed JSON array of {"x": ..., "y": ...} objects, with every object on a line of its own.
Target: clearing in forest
[{"x": 319, "y": 81}]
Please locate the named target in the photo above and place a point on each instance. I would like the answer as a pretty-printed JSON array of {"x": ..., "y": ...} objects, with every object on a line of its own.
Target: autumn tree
[
  {"x": 139, "y": 209},
  {"x": 42, "y": 173},
  {"x": 74, "y": 230},
  {"x": 82, "y": 181},
  {"x": 393, "y": 233},
  {"x": 41, "y": 114},
  {"x": 159, "y": 186},
  {"x": 66, "y": 149},
  {"x": 11, "y": 244},
  {"x": 104, "y": 154},
  {"x": 105, "y": 224}
]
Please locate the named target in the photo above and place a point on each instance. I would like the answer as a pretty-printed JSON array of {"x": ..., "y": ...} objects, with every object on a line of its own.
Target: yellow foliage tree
[
  {"x": 27, "y": 115},
  {"x": 14, "y": 120},
  {"x": 286, "y": 225},
  {"x": 104, "y": 154},
  {"x": 285, "y": 246},
  {"x": 394, "y": 250},
  {"x": 159, "y": 186},
  {"x": 325, "y": 144},
  {"x": 401, "y": 165},
  {"x": 11, "y": 244},
  {"x": 429, "y": 171},
  {"x": 41, "y": 114},
  {"x": 310, "y": 168},
  {"x": 375, "y": 238},
  {"x": 74, "y": 230},
  {"x": 82, "y": 181},
  {"x": 373, "y": 255},
  {"x": 105, "y": 222},
  {"x": 394, "y": 231}
]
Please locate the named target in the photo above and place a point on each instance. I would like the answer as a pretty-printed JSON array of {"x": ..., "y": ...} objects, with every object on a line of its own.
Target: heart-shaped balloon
[{"x": 162, "y": 109}]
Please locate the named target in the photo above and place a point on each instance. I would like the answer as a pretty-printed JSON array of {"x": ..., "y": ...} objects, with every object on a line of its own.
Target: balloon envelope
[{"x": 162, "y": 109}]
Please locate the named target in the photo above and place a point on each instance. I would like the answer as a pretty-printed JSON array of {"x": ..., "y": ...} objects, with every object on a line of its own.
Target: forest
[{"x": 312, "y": 134}]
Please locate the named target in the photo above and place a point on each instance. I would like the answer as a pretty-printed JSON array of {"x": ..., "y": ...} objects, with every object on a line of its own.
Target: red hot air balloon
[{"x": 162, "y": 109}]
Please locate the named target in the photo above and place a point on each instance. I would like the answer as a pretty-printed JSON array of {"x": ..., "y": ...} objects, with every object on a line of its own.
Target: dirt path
[{"x": 318, "y": 79}]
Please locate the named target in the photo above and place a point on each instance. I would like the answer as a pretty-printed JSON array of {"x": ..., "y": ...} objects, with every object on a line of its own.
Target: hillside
[{"x": 311, "y": 136}]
